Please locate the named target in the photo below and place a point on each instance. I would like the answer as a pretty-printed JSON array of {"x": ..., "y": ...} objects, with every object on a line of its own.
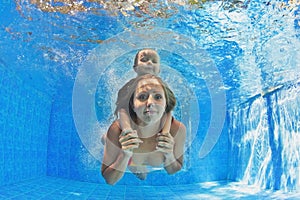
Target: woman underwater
[{"x": 148, "y": 100}]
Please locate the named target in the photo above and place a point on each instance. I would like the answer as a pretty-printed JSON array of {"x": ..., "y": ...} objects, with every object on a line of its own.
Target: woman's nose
[{"x": 150, "y": 102}]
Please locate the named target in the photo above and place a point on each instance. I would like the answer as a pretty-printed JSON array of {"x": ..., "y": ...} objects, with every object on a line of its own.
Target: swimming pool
[{"x": 234, "y": 69}]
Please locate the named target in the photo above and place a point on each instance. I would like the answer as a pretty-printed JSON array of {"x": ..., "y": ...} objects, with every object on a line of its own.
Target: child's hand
[
  {"x": 165, "y": 143},
  {"x": 129, "y": 141}
]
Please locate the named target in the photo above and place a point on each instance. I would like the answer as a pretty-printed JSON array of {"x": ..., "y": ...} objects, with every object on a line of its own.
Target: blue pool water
[{"x": 233, "y": 66}]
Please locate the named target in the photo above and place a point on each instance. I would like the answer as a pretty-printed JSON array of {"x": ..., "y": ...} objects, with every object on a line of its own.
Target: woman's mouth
[{"x": 149, "y": 112}]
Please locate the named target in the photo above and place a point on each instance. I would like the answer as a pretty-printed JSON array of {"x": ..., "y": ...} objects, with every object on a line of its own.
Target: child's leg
[
  {"x": 124, "y": 121},
  {"x": 168, "y": 122}
]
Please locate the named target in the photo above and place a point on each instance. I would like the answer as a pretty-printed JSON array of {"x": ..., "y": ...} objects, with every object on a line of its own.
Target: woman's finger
[
  {"x": 130, "y": 147},
  {"x": 165, "y": 142},
  {"x": 165, "y": 145},
  {"x": 131, "y": 141},
  {"x": 127, "y": 137},
  {"x": 165, "y": 138},
  {"x": 164, "y": 149}
]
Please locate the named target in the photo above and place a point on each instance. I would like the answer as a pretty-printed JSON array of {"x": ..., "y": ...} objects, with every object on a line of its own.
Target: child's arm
[
  {"x": 124, "y": 121},
  {"x": 167, "y": 125}
]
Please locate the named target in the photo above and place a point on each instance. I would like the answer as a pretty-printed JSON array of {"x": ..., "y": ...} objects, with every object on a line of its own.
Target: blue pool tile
[
  {"x": 24, "y": 197},
  {"x": 95, "y": 198},
  {"x": 52, "y": 197},
  {"x": 48, "y": 188},
  {"x": 7, "y": 192},
  {"x": 98, "y": 196}
]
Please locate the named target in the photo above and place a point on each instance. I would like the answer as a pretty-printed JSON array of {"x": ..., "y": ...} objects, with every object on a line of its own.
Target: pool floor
[{"x": 48, "y": 188}]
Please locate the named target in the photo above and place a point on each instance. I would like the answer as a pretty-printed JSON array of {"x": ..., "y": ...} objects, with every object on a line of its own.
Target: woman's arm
[
  {"x": 172, "y": 145},
  {"x": 117, "y": 152},
  {"x": 114, "y": 161}
]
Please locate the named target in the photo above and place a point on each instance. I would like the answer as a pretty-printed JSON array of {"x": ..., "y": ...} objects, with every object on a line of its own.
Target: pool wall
[
  {"x": 40, "y": 139},
  {"x": 24, "y": 124},
  {"x": 264, "y": 139}
]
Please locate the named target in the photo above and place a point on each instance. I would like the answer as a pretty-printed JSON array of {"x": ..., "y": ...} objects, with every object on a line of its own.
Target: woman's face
[{"x": 149, "y": 101}]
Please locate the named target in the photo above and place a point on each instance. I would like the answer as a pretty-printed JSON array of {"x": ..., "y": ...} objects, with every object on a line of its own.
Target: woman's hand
[
  {"x": 129, "y": 141},
  {"x": 165, "y": 143}
]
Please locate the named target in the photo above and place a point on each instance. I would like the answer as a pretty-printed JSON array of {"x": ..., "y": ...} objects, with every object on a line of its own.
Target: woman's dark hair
[{"x": 126, "y": 96}]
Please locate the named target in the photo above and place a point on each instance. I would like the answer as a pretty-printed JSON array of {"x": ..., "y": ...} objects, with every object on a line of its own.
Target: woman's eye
[
  {"x": 158, "y": 96},
  {"x": 142, "y": 97}
]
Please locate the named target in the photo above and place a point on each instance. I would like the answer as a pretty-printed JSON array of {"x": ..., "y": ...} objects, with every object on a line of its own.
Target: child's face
[{"x": 147, "y": 63}]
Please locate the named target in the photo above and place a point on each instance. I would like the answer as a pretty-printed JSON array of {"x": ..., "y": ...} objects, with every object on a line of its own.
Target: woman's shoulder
[
  {"x": 176, "y": 122},
  {"x": 114, "y": 129},
  {"x": 115, "y": 125},
  {"x": 177, "y": 127}
]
